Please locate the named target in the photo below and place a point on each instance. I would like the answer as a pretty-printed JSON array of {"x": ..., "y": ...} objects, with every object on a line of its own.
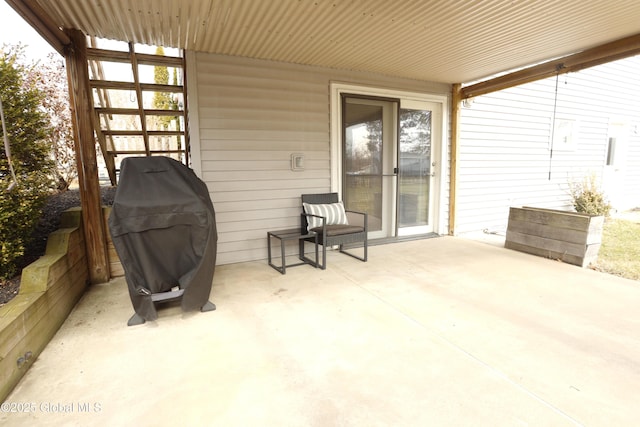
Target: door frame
[{"x": 440, "y": 148}]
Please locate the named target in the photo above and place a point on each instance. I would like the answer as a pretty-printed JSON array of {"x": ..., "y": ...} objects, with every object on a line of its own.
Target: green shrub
[
  {"x": 27, "y": 131},
  {"x": 20, "y": 211},
  {"x": 587, "y": 197}
]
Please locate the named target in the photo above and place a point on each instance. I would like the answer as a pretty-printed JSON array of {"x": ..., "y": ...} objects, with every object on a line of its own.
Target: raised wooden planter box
[
  {"x": 571, "y": 237},
  {"x": 49, "y": 289}
]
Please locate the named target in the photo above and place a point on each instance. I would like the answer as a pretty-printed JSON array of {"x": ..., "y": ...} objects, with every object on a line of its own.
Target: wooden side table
[{"x": 288, "y": 235}]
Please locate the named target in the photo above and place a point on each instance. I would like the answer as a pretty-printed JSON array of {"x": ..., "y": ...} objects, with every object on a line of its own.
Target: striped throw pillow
[{"x": 333, "y": 212}]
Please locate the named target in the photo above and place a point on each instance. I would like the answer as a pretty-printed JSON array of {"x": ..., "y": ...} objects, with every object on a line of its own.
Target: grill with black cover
[{"x": 163, "y": 228}]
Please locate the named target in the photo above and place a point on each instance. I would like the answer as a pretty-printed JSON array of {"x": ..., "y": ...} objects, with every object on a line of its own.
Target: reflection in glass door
[
  {"x": 414, "y": 171},
  {"x": 369, "y": 129}
]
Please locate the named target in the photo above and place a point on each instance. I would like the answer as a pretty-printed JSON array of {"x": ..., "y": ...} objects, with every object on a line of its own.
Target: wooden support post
[
  {"x": 453, "y": 167},
  {"x": 85, "y": 146}
]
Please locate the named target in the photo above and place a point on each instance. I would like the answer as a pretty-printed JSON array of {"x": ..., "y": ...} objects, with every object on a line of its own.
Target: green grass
[{"x": 620, "y": 250}]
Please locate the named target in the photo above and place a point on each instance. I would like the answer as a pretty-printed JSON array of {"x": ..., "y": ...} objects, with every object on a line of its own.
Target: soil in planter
[{"x": 49, "y": 222}]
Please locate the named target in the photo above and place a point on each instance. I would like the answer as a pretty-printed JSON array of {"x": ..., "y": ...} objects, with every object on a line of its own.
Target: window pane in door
[
  {"x": 363, "y": 159},
  {"x": 414, "y": 167}
]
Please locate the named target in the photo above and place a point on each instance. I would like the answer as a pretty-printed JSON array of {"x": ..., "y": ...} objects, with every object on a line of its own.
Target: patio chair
[{"x": 325, "y": 215}]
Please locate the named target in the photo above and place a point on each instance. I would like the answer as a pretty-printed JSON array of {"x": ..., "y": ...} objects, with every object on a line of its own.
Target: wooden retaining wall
[
  {"x": 49, "y": 289},
  {"x": 115, "y": 266},
  {"x": 571, "y": 237}
]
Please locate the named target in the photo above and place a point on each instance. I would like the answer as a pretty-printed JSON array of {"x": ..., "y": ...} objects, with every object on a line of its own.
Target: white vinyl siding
[
  {"x": 252, "y": 115},
  {"x": 504, "y": 153}
]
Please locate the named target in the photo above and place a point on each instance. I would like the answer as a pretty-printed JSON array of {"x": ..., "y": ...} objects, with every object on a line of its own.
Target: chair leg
[
  {"x": 324, "y": 258},
  {"x": 361, "y": 258},
  {"x": 314, "y": 262},
  {"x": 364, "y": 258},
  {"x": 365, "y": 248}
]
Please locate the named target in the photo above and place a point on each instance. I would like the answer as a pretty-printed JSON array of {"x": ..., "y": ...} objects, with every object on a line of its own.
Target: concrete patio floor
[{"x": 437, "y": 332}]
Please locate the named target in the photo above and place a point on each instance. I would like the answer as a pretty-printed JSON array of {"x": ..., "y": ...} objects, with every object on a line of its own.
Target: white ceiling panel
[{"x": 436, "y": 40}]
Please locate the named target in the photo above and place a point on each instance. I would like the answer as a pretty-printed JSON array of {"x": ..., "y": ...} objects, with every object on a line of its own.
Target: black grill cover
[{"x": 163, "y": 228}]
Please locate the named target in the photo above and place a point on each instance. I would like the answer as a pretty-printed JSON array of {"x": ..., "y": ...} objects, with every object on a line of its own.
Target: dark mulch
[
  {"x": 9, "y": 289},
  {"x": 49, "y": 222}
]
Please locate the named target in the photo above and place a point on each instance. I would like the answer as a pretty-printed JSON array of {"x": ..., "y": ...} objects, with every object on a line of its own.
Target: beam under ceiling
[
  {"x": 31, "y": 11},
  {"x": 619, "y": 49}
]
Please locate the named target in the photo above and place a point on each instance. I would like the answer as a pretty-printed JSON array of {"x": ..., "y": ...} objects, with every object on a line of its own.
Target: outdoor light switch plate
[{"x": 297, "y": 162}]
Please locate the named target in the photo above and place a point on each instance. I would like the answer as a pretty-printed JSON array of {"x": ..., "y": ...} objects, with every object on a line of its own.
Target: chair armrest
[
  {"x": 304, "y": 221},
  {"x": 356, "y": 212},
  {"x": 364, "y": 216}
]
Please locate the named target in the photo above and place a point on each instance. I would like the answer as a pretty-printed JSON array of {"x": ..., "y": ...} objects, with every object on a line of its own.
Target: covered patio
[
  {"x": 443, "y": 331},
  {"x": 253, "y": 66}
]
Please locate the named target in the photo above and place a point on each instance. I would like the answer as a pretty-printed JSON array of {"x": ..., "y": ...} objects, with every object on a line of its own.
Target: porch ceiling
[{"x": 440, "y": 41}]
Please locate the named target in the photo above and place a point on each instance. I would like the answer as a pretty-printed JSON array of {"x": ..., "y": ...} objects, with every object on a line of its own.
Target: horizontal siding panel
[
  {"x": 254, "y": 165},
  {"x": 512, "y": 139},
  {"x": 285, "y": 135},
  {"x": 480, "y": 152},
  {"x": 246, "y": 244},
  {"x": 245, "y": 67},
  {"x": 276, "y": 88},
  {"x": 512, "y": 124},
  {"x": 270, "y": 71},
  {"x": 259, "y": 196},
  {"x": 268, "y": 112},
  {"x": 256, "y": 215},
  {"x": 505, "y": 158},
  {"x": 501, "y": 159},
  {"x": 266, "y": 94},
  {"x": 476, "y": 172},
  {"x": 240, "y": 230},
  {"x": 292, "y": 146},
  {"x": 252, "y": 115},
  {"x": 293, "y": 123},
  {"x": 553, "y": 190},
  {"x": 252, "y": 254},
  {"x": 536, "y": 192},
  {"x": 267, "y": 185},
  {"x": 510, "y": 172},
  {"x": 266, "y": 155},
  {"x": 236, "y": 250},
  {"x": 257, "y": 205},
  {"x": 262, "y": 175},
  {"x": 256, "y": 107}
]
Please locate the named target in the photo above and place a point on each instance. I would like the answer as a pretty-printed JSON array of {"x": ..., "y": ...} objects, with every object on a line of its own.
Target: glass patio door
[
  {"x": 369, "y": 135},
  {"x": 415, "y": 168},
  {"x": 387, "y": 167}
]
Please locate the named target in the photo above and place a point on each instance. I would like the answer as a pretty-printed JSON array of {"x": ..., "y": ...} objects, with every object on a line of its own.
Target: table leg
[
  {"x": 280, "y": 269},
  {"x": 316, "y": 244},
  {"x": 284, "y": 264}
]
